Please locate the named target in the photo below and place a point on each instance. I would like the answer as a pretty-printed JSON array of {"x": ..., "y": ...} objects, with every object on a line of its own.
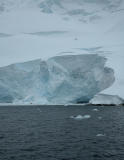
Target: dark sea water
[{"x": 49, "y": 133}]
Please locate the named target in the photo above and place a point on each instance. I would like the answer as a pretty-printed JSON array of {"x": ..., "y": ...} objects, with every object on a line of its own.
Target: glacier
[
  {"x": 34, "y": 29},
  {"x": 58, "y": 80}
]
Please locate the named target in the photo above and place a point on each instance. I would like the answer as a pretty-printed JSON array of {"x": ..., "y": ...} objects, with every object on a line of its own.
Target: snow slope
[{"x": 33, "y": 29}]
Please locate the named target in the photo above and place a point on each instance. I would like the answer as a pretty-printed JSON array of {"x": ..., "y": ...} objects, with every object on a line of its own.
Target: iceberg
[{"x": 58, "y": 80}]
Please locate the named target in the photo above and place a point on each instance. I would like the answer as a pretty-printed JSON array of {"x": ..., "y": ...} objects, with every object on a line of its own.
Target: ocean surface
[{"x": 58, "y": 133}]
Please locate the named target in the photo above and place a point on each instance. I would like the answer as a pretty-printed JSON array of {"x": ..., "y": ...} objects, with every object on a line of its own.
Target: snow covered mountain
[
  {"x": 59, "y": 80},
  {"x": 34, "y": 29}
]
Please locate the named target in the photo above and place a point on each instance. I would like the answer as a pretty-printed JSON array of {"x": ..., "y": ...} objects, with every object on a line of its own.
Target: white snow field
[{"x": 40, "y": 29}]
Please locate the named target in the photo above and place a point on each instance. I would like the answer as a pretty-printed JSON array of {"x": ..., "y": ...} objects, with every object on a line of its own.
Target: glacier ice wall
[{"x": 59, "y": 80}]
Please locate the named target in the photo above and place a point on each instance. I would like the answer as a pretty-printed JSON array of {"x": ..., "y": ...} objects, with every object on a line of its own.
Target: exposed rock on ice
[
  {"x": 59, "y": 80},
  {"x": 103, "y": 99}
]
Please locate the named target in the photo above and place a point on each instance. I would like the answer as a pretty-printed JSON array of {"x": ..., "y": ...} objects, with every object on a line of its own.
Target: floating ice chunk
[
  {"x": 86, "y": 116},
  {"x": 100, "y": 135},
  {"x": 104, "y": 99},
  {"x": 80, "y": 117},
  {"x": 95, "y": 109},
  {"x": 99, "y": 117}
]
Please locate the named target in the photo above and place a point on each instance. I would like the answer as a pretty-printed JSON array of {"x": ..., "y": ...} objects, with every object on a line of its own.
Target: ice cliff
[{"x": 58, "y": 80}]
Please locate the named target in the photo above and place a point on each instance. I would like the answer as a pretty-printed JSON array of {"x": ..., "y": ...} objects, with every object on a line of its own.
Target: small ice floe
[
  {"x": 99, "y": 117},
  {"x": 100, "y": 135},
  {"x": 95, "y": 109},
  {"x": 80, "y": 117}
]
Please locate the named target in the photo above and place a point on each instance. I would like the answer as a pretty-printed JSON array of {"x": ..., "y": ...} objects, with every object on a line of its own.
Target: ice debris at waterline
[
  {"x": 80, "y": 117},
  {"x": 104, "y": 99},
  {"x": 59, "y": 80}
]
